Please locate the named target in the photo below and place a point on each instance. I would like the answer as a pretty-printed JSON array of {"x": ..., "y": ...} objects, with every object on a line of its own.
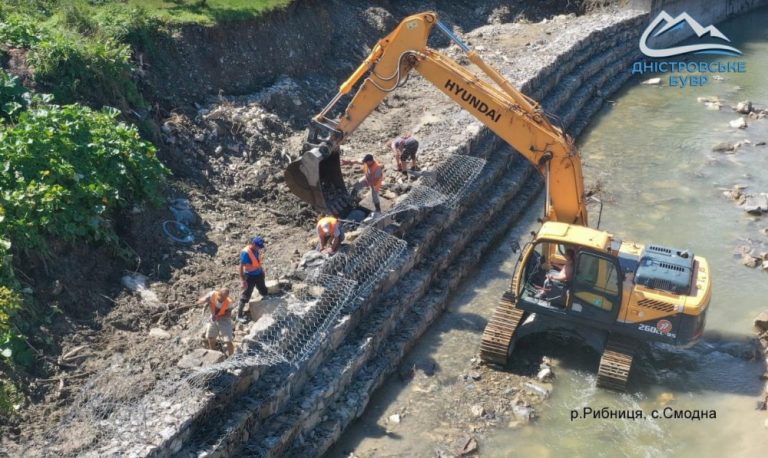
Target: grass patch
[
  {"x": 81, "y": 50},
  {"x": 208, "y": 11}
]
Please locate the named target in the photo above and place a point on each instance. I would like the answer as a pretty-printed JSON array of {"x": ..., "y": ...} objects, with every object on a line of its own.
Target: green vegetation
[
  {"x": 77, "y": 54},
  {"x": 81, "y": 50},
  {"x": 65, "y": 171},
  {"x": 208, "y": 11},
  {"x": 66, "y": 167},
  {"x": 8, "y": 397}
]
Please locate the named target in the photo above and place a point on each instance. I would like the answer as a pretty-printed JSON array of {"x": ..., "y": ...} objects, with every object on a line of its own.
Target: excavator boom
[
  {"x": 496, "y": 103},
  {"x": 618, "y": 292}
]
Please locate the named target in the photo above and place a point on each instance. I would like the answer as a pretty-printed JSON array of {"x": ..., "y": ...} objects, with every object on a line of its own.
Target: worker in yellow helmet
[{"x": 330, "y": 233}]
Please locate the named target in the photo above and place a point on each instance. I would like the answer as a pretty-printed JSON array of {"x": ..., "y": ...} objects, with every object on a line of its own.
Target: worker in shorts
[
  {"x": 404, "y": 148},
  {"x": 220, "y": 322},
  {"x": 373, "y": 176}
]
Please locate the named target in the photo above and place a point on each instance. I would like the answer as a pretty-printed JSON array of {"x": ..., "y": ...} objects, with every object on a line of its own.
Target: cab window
[{"x": 597, "y": 281}]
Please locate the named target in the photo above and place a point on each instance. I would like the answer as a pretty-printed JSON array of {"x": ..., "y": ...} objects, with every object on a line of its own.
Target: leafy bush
[
  {"x": 13, "y": 96},
  {"x": 10, "y": 302},
  {"x": 18, "y": 30},
  {"x": 43, "y": 7},
  {"x": 78, "y": 18},
  {"x": 127, "y": 24},
  {"x": 99, "y": 71},
  {"x": 64, "y": 172},
  {"x": 65, "y": 169},
  {"x": 13, "y": 347},
  {"x": 9, "y": 396}
]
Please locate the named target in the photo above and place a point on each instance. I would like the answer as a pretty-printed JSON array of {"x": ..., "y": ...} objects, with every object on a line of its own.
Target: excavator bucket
[{"x": 316, "y": 179}]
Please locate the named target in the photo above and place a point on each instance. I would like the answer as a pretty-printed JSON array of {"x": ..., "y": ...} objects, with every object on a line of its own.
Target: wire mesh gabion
[
  {"x": 445, "y": 185},
  {"x": 453, "y": 176},
  {"x": 111, "y": 416}
]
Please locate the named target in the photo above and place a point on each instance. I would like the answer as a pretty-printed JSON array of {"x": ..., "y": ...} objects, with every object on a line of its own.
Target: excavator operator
[{"x": 557, "y": 280}]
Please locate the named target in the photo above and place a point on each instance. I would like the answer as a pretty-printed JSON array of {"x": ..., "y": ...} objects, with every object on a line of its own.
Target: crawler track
[
  {"x": 615, "y": 364},
  {"x": 500, "y": 331}
]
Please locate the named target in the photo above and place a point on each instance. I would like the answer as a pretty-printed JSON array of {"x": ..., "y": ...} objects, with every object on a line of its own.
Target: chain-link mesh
[
  {"x": 367, "y": 259},
  {"x": 445, "y": 185},
  {"x": 112, "y": 416},
  {"x": 453, "y": 176}
]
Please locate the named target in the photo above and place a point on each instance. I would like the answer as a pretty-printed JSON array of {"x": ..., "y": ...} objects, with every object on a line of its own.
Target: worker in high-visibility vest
[
  {"x": 373, "y": 176},
  {"x": 251, "y": 273},
  {"x": 220, "y": 321},
  {"x": 330, "y": 233}
]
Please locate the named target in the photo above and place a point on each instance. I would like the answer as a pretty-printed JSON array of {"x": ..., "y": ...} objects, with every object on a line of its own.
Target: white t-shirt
[
  {"x": 219, "y": 304},
  {"x": 326, "y": 228}
]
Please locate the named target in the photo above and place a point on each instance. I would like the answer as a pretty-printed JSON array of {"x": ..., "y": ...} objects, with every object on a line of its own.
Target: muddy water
[{"x": 651, "y": 150}]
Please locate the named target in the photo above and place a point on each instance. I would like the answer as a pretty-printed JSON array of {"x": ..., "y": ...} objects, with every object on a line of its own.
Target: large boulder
[
  {"x": 201, "y": 357},
  {"x": 755, "y": 203},
  {"x": 750, "y": 261},
  {"x": 466, "y": 446},
  {"x": 273, "y": 286},
  {"x": 723, "y": 147},
  {"x": 739, "y": 123},
  {"x": 761, "y": 322},
  {"x": 264, "y": 306},
  {"x": 744, "y": 107}
]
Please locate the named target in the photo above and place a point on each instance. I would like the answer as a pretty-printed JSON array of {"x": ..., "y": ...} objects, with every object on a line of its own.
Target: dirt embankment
[
  {"x": 232, "y": 102},
  {"x": 309, "y": 40}
]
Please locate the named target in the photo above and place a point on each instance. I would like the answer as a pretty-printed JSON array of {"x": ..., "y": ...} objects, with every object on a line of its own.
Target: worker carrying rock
[
  {"x": 373, "y": 176},
  {"x": 404, "y": 148},
  {"x": 251, "y": 273},
  {"x": 220, "y": 321},
  {"x": 330, "y": 233}
]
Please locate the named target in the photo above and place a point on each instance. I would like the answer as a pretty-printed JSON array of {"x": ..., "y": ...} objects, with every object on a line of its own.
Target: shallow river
[{"x": 651, "y": 149}]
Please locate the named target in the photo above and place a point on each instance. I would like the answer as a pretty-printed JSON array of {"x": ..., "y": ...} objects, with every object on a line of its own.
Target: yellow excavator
[{"x": 609, "y": 293}]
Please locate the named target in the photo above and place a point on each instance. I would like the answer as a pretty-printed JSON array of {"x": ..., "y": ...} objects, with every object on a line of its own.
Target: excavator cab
[
  {"x": 546, "y": 259},
  {"x": 593, "y": 290},
  {"x": 619, "y": 293}
]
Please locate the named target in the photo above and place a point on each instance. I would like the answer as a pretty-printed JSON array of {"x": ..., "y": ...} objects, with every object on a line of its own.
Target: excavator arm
[{"x": 501, "y": 107}]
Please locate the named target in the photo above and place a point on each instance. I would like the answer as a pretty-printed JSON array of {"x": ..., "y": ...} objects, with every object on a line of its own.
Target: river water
[{"x": 651, "y": 151}]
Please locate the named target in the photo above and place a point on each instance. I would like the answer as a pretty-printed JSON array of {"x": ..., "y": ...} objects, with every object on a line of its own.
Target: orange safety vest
[
  {"x": 373, "y": 175},
  {"x": 331, "y": 222},
  {"x": 255, "y": 262},
  {"x": 224, "y": 306}
]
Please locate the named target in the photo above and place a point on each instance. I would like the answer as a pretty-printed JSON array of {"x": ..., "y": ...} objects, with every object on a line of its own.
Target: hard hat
[
  {"x": 368, "y": 158},
  {"x": 258, "y": 241}
]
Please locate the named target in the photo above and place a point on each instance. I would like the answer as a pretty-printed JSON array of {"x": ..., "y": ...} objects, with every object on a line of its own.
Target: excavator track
[
  {"x": 615, "y": 363},
  {"x": 500, "y": 331}
]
